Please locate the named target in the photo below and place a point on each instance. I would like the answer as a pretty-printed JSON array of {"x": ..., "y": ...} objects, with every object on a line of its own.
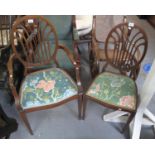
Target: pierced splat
[
  {"x": 127, "y": 44},
  {"x": 37, "y": 39}
]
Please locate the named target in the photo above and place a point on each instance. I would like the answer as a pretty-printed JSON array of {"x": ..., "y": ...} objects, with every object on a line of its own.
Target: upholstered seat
[
  {"x": 113, "y": 89},
  {"x": 46, "y": 87},
  {"x": 45, "y": 44}
]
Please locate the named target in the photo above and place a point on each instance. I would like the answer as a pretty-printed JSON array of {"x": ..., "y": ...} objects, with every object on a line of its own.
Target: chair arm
[
  {"x": 78, "y": 79},
  {"x": 76, "y": 65},
  {"x": 11, "y": 81},
  {"x": 68, "y": 53}
]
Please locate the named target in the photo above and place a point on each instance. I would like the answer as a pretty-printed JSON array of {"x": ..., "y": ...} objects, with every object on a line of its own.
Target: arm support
[
  {"x": 11, "y": 81},
  {"x": 76, "y": 65}
]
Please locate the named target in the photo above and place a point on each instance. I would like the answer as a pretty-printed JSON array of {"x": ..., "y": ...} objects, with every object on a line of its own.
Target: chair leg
[
  {"x": 94, "y": 69},
  {"x": 84, "y": 106},
  {"x": 78, "y": 50},
  {"x": 90, "y": 47},
  {"x": 80, "y": 100},
  {"x": 7, "y": 137},
  {"x": 104, "y": 67},
  {"x": 128, "y": 121},
  {"x": 26, "y": 122}
]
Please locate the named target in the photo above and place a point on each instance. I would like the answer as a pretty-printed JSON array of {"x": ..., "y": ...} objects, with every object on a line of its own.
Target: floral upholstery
[
  {"x": 46, "y": 87},
  {"x": 113, "y": 89}
]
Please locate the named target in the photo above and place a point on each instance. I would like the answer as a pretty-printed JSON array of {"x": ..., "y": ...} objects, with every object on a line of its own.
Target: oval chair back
[
  {"x": 125, "y": 48},
  {"x": 34, "y": 41}
]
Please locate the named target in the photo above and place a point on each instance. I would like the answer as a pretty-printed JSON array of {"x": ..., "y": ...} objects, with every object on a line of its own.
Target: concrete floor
[{"x": 62, "y": 122}]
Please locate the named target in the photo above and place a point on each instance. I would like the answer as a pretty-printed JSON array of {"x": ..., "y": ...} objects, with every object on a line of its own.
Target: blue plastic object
[{"x": 147, "y": 67}]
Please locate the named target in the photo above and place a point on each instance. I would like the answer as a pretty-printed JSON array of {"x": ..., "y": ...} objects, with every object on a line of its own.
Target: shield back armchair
[{"x": 46, "y": 84}]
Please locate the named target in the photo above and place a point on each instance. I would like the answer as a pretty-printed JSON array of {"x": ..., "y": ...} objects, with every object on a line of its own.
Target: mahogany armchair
[
  {"x": 46, "y": 84},
  {"x": 119, "y": 91}
]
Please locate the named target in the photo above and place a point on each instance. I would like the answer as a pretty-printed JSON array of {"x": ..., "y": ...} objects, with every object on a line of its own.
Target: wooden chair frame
[
  {"x": 28, "y": 66},
  {"x": 123, "y": 67}
]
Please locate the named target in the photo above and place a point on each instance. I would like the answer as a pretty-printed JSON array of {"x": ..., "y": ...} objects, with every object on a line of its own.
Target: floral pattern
[
  {"x": 114, "y": 89},
  {"x": 127, "y": 101},
  {"x": 46, "y": 87}
]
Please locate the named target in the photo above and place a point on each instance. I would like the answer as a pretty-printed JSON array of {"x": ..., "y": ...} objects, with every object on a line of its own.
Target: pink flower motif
[
  {"x": 92, "y": 92},
  {"x": 127, "y": 101},
  {"x": 41, "y": 84},
  {"x": 96, "y": 90},
  {"x": 47, "y": 86}
]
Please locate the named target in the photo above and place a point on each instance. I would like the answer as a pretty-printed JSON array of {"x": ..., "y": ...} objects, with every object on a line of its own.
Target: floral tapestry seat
[
  {"x": 46, "y": 87},
  {"x": 116, "y": 90}
]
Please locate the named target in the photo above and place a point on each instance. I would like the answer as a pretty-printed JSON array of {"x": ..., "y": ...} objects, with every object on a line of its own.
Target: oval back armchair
[{"x": 45, "y": 85}]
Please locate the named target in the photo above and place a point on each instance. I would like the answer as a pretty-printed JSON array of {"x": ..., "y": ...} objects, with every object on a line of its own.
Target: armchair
[{"x": 46, "y": 83}]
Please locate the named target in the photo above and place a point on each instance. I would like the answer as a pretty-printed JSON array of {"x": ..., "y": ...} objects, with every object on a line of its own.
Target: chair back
[
  {"x": 31, "y": 43},
  {"x": 126, "y": 46}
]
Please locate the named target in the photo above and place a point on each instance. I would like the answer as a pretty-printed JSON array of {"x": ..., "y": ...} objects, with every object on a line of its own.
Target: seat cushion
[
  {"x": 114, "y": 89},
  {"x": 46, "y": 87}
]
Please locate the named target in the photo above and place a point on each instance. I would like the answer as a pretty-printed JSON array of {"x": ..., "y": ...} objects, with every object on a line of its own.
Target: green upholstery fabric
[
  {"x": 63, "y": 25},
  {"x": 46, "y": 87},
  {"x": 62, "y": 58},
  {"x": 113, "y": 89}
]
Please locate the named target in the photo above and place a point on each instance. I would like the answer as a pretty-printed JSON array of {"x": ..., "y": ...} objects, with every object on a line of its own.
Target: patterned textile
[
  {"x": 113, "y": 89},
  {"x": 46, "y": 87}
]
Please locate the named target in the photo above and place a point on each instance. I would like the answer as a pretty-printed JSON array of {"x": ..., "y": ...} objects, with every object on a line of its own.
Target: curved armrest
[
  {"x": 11, "y": 83},
  {"x": 76, "y": 65},
  {"x": 68, "y": 53}
]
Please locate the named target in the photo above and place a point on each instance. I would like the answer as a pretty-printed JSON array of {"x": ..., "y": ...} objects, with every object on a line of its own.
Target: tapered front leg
[{"x": 26, "y": 122}]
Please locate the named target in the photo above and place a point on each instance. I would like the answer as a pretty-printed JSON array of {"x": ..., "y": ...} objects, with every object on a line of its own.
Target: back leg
[{"x": 128, "y": 121}]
